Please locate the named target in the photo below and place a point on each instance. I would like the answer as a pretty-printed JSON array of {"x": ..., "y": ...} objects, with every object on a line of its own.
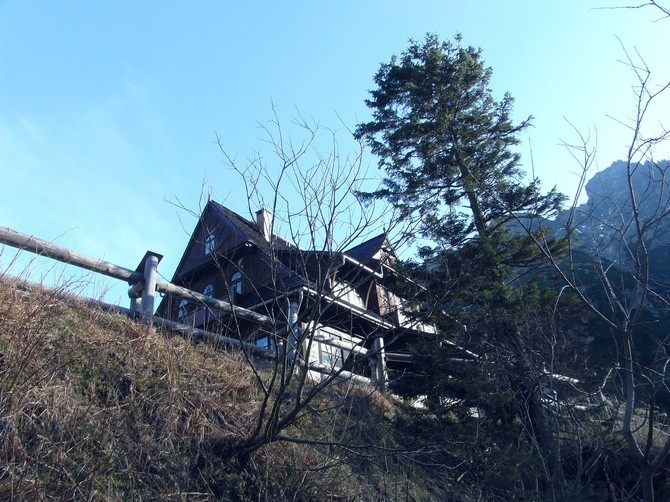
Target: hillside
[{"x": 98, "y": 407}]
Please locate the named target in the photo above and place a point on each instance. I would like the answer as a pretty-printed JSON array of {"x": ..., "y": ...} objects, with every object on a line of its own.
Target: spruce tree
[
  {"x": 447, "y": 148},
  {"x": 447, "y": 145}
]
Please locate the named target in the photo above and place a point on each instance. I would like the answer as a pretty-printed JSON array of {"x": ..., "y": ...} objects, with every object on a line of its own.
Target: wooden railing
[
  {"x": 143, "y": 286},
  {"x": 143, "y": 281}
]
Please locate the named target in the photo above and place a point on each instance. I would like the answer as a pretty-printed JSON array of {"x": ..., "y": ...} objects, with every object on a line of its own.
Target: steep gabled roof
[
  {"x": 251, "y": 231},
  {"x": 375, "y": 250},
  {"x": 296, "y": 267}
]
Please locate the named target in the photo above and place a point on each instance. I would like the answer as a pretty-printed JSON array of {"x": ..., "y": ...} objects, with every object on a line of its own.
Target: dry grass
[
  {"x": 92, "y": 402},
  {"x": 94, "y": 406}
]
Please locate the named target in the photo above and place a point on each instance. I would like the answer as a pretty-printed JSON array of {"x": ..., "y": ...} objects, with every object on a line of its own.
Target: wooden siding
[{"x": 226, "y": 236}]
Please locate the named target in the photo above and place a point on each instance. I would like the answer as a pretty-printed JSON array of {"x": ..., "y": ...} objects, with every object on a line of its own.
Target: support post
[
  {"x": 380, "y": 375},
  {"x": 293, "y": 308},
  {"x": 149, "y": 291}
]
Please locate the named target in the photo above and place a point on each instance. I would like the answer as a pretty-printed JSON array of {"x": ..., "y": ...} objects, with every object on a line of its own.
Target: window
[
  {"x": 210, "y": 243},
  {"x": 331, "y": 357},
  {"x": 208, "y": 289},
  {"x": 267, "y": 342},
  {"x": 183, "y": 308},
  {"x": 236, "y": 283}
]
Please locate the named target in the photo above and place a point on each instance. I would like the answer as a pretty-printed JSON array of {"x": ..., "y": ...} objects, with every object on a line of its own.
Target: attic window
[
  {"x": 210, "y": 243},
  {"x": 236, "y": 283}
]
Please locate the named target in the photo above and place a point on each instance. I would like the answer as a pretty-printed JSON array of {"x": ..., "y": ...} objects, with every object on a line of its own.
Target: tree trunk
[
  {"x": 538, "y": 420},
  {"x": 647, "y": 483},
  {"x": 546, "y": 441}
]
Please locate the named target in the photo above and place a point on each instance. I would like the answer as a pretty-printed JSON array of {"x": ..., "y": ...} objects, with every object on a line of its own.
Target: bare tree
[
  {"x": 621, "y": 230},
  {"x": 324, "y": 334}
]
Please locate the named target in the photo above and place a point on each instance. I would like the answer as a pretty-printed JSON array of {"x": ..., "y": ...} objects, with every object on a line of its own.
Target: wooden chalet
[{"x": 333, "y": 309}]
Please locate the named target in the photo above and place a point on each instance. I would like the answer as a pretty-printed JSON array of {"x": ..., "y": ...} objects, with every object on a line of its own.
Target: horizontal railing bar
[
  {"x": 60, "y": 253},
  {"x": 241, "y": 312},
  {"x": 65, "y": 255}
]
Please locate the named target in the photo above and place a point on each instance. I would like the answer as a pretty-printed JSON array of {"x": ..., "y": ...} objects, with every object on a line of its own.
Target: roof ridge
[{"x": 252, "y": 227}]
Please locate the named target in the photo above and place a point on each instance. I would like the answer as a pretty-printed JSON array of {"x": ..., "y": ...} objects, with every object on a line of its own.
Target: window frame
[
  {"x": 266, "y": 342},
  {"x": 236, "y": 283},
  {"x": 208, "y": 287},
  {"x": 209, "y": 245},
  {"x": 182, "y": 308}
]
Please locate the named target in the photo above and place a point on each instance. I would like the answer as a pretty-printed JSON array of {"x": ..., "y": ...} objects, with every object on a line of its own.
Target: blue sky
[{"x": 107, "y": 110}]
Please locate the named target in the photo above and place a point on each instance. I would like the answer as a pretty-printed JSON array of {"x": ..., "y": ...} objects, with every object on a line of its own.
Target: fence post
[{"x": 149, "y": 291}]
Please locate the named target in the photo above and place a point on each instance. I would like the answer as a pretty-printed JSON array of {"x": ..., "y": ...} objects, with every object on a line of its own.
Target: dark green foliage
[
  {"x": 447, "y": 148},
  {"x": 446, "y": 144},
  {"x": 448, "y": 151}
]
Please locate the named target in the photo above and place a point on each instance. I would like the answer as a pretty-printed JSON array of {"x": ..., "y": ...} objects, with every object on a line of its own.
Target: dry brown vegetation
[{"x": 95, "y": 406}]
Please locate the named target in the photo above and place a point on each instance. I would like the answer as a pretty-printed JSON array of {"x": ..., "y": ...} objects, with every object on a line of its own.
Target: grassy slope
[{"x": 96, "y": 406}]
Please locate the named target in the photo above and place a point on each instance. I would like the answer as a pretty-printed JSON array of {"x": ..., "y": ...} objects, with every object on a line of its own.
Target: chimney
[{"x": 264, "y": 222}]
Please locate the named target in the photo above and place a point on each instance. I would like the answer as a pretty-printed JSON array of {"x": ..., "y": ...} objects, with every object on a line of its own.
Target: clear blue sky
[{"x": 107, "y": 109}]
